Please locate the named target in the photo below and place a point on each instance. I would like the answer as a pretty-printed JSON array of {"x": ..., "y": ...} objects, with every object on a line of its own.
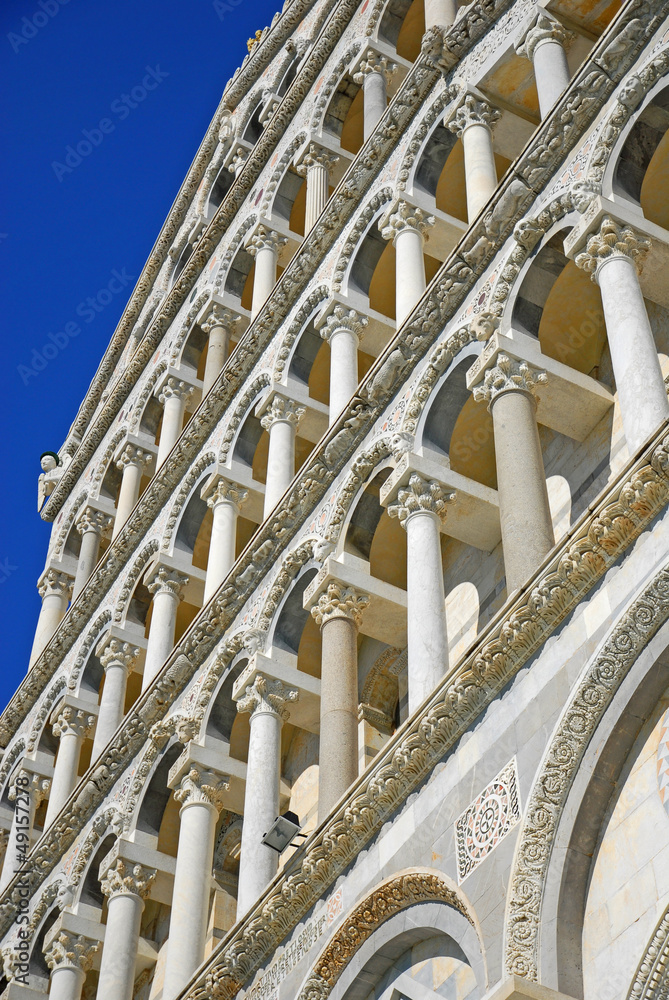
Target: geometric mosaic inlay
[
  {"x": 487, "y": 820},
  {"x": 663, "y": 762}
]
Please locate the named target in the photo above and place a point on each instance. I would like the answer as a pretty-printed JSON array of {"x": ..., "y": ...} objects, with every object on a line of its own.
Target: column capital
[
  {"x": 219, "y": 316},
  {"x": 373, "y": 62},
  {"x": 264, "y": 238},
  {"x": 119, "y": 877},
  {"x": 238, "y": 160},
  {"x": 340, "y": 601},
  {"x": 508, "y": 375},
  {"x": 342, "y": 318},
  {"x": 202, "y": 786},
  {"x": 612, "y": 239},
  {"x": 94, "y": 520},
  {"x": 267, "y": 695},
  {"x": 72, "y": 721},
  {"x": 316, "y": 156},
  {"x": 35, "y": 786},
  {"x": 473, "y": 111},
  {"x": 53, "y": 581},
  {"x": 226, "y": 491},
  {"x": 174, "y": 387},
  {"x": 280, "y": 408},
  {"x": 113, "y": 650},
  {"x": 167, "y": 581},
  {"x": 402, "y": 216},
  {"x": 542, "y": 27},
  {"x": 418, "y": 496},
  {"x": 132, "y": 454},
  {"x": 72, "y": 951}
]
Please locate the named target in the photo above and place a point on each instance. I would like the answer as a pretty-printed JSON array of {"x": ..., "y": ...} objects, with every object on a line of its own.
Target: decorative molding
[
  {"x": 651, "y": 979},
  {"x": 186, "y": 490}
]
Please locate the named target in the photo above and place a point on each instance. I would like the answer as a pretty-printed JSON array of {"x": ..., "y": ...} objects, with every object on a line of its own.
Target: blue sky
[{"x": 153, "y": 71}]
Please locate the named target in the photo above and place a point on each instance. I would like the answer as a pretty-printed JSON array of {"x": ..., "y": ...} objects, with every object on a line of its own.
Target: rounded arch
[
  {"x": 123, "y": 611},
  {"x": 188, "y": 510},
  {"x": 83, "y": 680},
  {"x": 327, "y": 90},
  {"x": 144, "y": 417},
  {"x": 148, "y": 799},
  {"x": 180, "y": 354},
  {"x": 42, "y": 718},
  {"x": 282, "y": 197},
  {"x": 225, "y": 275},
  {"x": 242, "y": 410},
  {"x": 290, "y": 343},
  {"x": 67, "y": 525},
  {"x": 359, "y": 228},
  {"x": 86, "y": 861}
]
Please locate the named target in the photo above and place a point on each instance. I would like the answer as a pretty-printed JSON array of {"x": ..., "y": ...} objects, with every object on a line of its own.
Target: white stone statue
[{"x": 52, "y": 470}]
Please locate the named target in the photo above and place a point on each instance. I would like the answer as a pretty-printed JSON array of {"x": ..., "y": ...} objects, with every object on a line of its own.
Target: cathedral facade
[{"x": 351, "y": 678}]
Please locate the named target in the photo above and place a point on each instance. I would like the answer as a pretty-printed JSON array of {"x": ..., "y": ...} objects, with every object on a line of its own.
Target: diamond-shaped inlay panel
[{"x": 487, "y": 820}]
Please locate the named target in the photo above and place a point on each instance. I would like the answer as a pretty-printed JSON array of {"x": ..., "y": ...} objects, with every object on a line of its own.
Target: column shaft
[
  {"x": 551, "y": 72},
  {"x": 338, "y": 745},
  {"x": 264, "y": 279},
  {"x": 64, "y": 775},
  {"x": 173, "y": 418},
  {"x": 161, "y": 634},
  {"x": 222, "y": 545},
  {"x": 375, "y": 101},
  {"x": 426, "y": 609},
  {"x": 66, "y": 983},
  {"x": 54, "y": 606},
  {"x": 440, "y": 12},
  {"x": 480, "y": 170},
  {"x": 88, "y": 557},
  {"x": 343, "y": 370},
  {"x": 218, "y": 350},
  {"x": 128, "y": 495},
  {"x": 117, "y": 968},
  {"x": 112, "y": 706},
  {"x": 318, "y": 191},
  {"x": 409, "y": 271},
  {"x": 280, "y": 462}
]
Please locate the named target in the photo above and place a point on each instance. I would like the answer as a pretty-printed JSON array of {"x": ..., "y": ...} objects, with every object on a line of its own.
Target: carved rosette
[
  {"x": 53, "y": 582},
  {"x": 340, "y": 601},
  {"x": 473, "y": 112},
  {"x": 73, "y": 951},
  {"x": 35, "y": 786},
  {"x": 265, "y": 239},
  {"x": 117, "y": 652},
  {"x": 218, "y": 317},
  {"x": 342, "y": 318},
  {"x": 125, "y": 879},
  {"x": 73, "y": 722},
  {"x": 94, "y": 520},
  {"x": 167, "y": 581},
  {"x": 508, "y": 375},
  {"x": 372, "y": 62},
  {"x": 613, "y": 240},
  {"x": 404, "y": 216},
  {"x": 267, "y": 695},
  {"x": 175, "y": 388},
  {"x": 543, "y": 27},
  {"x": 227, "y": 492},
  {"x": 202, "y": 787},
  {"x": 316, "y": 156},
  {"x": 283, "y": 409},
  {"x": 421, "y": 495},
  {"x": 133, "y": 455}
]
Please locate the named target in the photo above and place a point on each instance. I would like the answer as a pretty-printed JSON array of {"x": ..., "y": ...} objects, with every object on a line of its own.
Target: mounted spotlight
[{"x": 282, "y": 831}]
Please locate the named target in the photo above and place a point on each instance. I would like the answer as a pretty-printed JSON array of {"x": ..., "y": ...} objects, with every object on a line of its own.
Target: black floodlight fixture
[{"x": 282, "y": 831}]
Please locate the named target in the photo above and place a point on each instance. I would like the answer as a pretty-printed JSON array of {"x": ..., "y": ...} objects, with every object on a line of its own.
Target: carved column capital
[
  {"x": 227, "y": 492},
  {"x": 174, "y": 387},
  {"x": 219, "y": 316},
  {"x": 316, "y": 156},
  {"x": 421, "y": 495},
  {"x": 167, "y": 581},
  {"x": 118, "y": 652},
  {"x": 340, "y": 601},
  {"x": 267, "y": 695},
  {"x": 542, "y": 27},
  {"x": 202, "y": 786},
  {"x": 402, "y": 216},
  {"x": 342, "y": 318},
  {"x": 508, "y": 375},
  {"x": 54, "y": 582},
  {"x": 132, "y": 454},
  {"x": 265, "y": 239},
  {"x": 94, "y": 520},
  {"x": 124, "y": 878},
  {"x": 73, "y": 721},
  {"x": 284, "y": 409},
  {"x": 613, "y": 239},
  {"x": 372, "y": 62},
  {"x": 29, "y": 783},
  {"x": 473, "y": 112},
  {"x": 73, "y": 951},
  {"x": 238, "y": 160}
]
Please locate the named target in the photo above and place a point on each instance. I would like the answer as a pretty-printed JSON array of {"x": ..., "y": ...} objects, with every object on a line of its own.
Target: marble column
[
  {"x": 473, "y": 123},
  {"x": 315, "y": 165},
  {"x": 225, "y": 503},
  {"x": 173, "y": 395},
  {"x": 92, "y": 525},
  {"x": 126, "y": 887},
  {"x": 265, "y": 699},
  {"x": 133, "y": 463},
  {"x": 71, "y": 727},
  {"x": 338, "y": 613},
  {"x": 343, "y": 329},
  {"x": 27, "y": 791},
  {"x": 200, "y": 793},
  {"x": 280, "y": 421},
  {"x": 440, "y": 12},
  {"x": 117, "y": 658},
  {"x": 614, "y": 257},
  {"x": 219, "y": 325},
  {"x": 374, "y": 76},
  {"x": 166, "y": 586},
  {"x": 69, "y": 957},
  {"x": 525, "y": 518},
  {"x": 264, "y": 245},
  {"x": 543, "y": 44},
  {"x": 420, "y": 508},
  {"x": 54, "y": 589},
  {"x": 407, "y": 227}
]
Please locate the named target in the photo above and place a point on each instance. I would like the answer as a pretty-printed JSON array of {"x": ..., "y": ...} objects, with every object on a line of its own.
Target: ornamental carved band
[
  {"x": 372, "y": 62},
  {"x": 73, "y": 951},
  {"x": 340, "y": 601},
  {"x": 175, "y": 388},
  {"x": 132, "y": 455},
  {"x": 265, "y": 239},
  {"x": 282, "y": 409},
  {"x": 228, "y": 492},
  {"x": 421, "y": 495},
  {"x": 167, "y": 581},
  {"x": 403, "y": 216},
  {"x": 342, "y": 318},
  {"x": 94, "y": 520},
  {"x": 613, "y": 240},
  {"x": 473, "y": 112},
  {"x": 121, "y": 654},
  {"x": 202, "y": 787},
  {"x": 316, "y": 156},
  {"x": 507, "y": 376},
  {"x": 219, "y": 317},
  {"x": 267, "y": 695},
  {"x": 125, "y": 879},
  {"x": 54, "y": 582},
  {"x": 73, "y": 722},
  {"x": 542, "y": 28}
]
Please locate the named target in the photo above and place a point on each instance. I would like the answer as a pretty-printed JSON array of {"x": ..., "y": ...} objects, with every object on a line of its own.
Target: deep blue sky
[{"x": 60, "y": 239}]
